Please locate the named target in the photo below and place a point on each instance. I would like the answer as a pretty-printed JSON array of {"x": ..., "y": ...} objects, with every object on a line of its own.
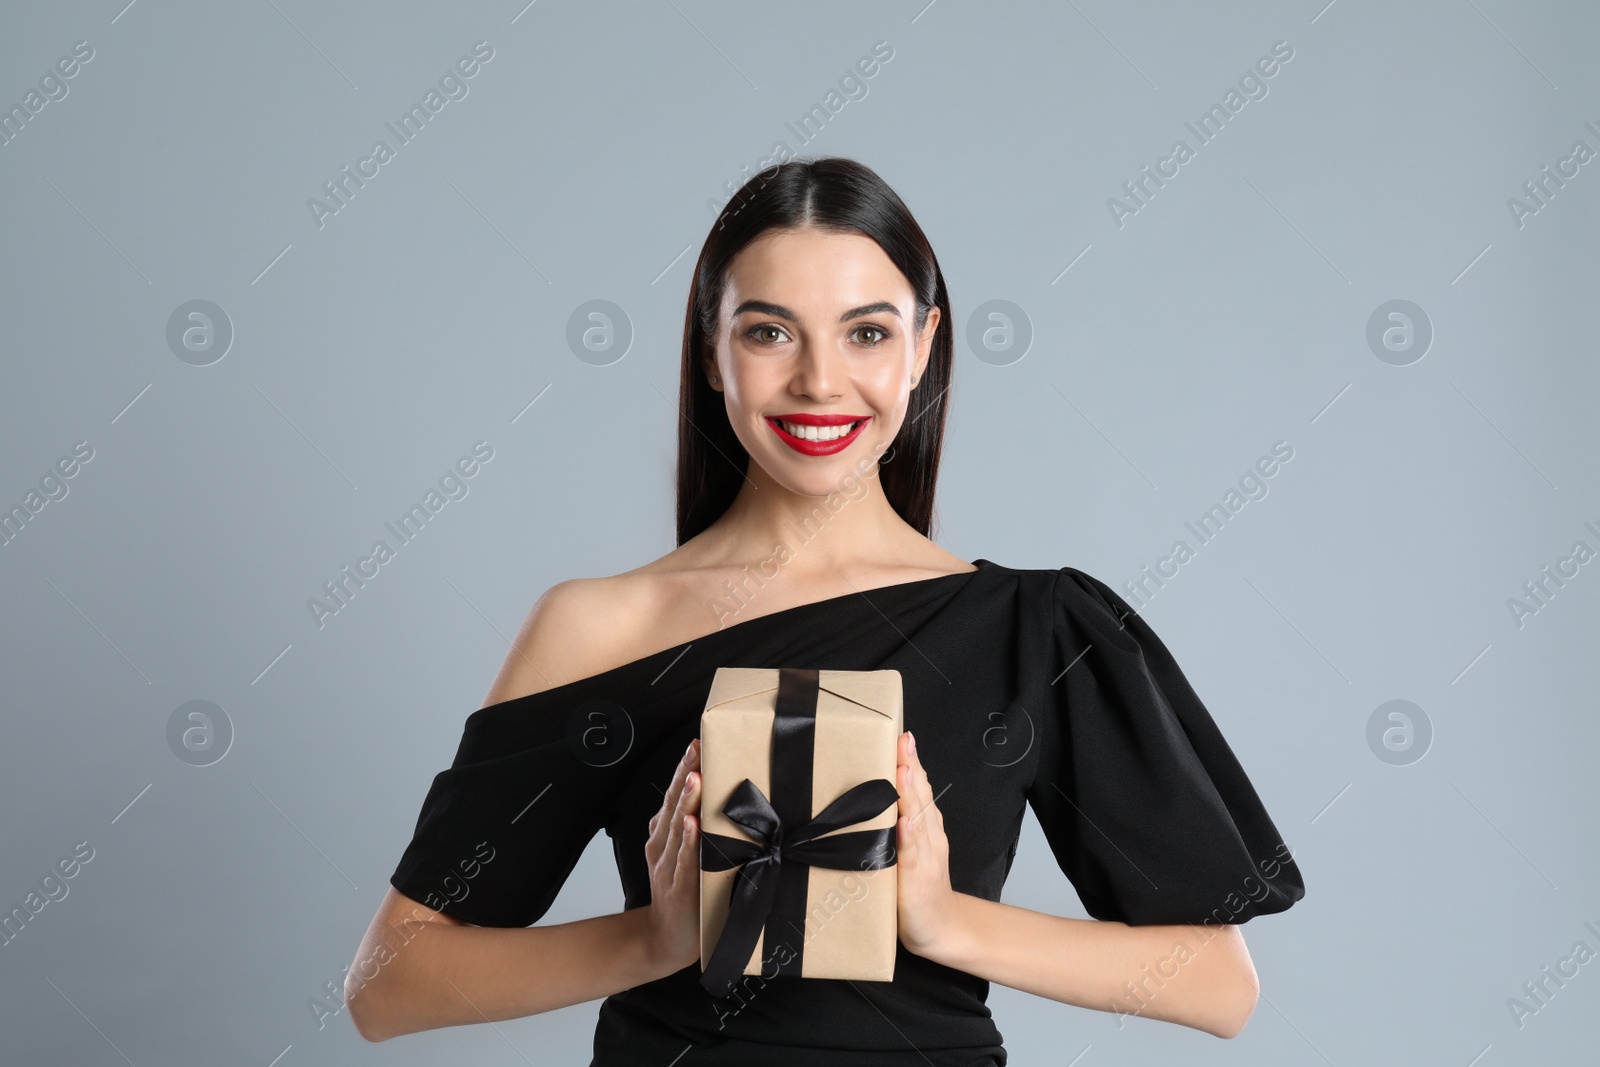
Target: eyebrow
[{"x": 781, "y": 312}]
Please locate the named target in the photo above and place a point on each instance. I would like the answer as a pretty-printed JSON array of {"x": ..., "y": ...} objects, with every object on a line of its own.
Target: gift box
[{"x": 798, "y": 807}]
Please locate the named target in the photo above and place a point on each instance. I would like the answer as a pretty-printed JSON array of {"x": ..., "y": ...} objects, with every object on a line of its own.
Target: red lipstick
[{"x": 817, "y": 448}]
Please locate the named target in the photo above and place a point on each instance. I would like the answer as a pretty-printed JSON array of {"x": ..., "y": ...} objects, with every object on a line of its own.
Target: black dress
[{"x": 1036, "y": 687}]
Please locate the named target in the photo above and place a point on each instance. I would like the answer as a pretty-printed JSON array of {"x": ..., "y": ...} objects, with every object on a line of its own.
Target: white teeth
[{"x": 819, "y": 433}]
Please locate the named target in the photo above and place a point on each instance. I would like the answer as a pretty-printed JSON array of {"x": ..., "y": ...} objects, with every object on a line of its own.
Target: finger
[
  {"x": 689, "y": 851},
  {"x": 917, "y": 812},
  {"x": 689, "y": 821},
  {"x": 671, "y": 832},
  {"x": 912, "y": 806},
  {"x": 920, "y": 774},
  {"x": 902, "y": 781},
  {"x": 902, "y": 768},
  {"x": 911, "y": 786},
  {"x": 675, "y": 827},
  {"x": 919, "y": 804},
  {"x": 669, "y": 799},
  {"x": 689, "y": 799},
  {"x": 906, "y": 849},
  {"x": 655, "y": 844}
]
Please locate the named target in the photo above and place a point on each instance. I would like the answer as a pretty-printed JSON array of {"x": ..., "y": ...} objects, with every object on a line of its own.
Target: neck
[{"x": 850, "y": 525}]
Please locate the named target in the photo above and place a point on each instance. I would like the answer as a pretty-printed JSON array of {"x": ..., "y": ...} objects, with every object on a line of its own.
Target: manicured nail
[{"x": 913, "y": 742}]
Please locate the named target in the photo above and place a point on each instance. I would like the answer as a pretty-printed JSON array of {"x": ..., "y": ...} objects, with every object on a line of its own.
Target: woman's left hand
[{"x": 926, "y": 901}]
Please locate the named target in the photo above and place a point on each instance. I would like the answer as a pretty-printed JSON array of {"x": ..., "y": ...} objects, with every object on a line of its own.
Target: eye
[
  {"x": 882, "y": 334},
  {"x": 758, "y": 333}
]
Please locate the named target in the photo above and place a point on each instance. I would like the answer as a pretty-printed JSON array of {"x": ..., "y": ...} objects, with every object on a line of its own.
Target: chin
[{"x": 822, "y": 476}]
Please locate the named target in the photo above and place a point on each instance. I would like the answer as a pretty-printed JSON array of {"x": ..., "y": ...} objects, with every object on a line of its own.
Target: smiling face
[{"x": 816, "y": 351}]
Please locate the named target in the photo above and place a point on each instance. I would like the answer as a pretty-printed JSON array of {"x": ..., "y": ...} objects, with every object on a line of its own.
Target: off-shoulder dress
[{"x": 1024, "y": 687}]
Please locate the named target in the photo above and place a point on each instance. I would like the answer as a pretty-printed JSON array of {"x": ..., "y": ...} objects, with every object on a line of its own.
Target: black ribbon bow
[{"x": 769, "y": 895}]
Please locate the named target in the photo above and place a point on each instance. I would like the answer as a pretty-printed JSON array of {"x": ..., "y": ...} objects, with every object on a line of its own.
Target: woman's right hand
[{"x": 673, "y": 855}]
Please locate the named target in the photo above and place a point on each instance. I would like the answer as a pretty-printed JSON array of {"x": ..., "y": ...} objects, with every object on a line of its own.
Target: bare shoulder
[{"x": 578, "y": 628}]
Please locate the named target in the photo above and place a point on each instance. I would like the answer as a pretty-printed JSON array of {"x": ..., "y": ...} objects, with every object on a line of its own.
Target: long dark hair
[{"x": 830, "y": 193}]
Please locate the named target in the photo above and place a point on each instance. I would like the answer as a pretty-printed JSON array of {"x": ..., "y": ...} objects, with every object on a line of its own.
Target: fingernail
[{"x": 913, "y": 741}]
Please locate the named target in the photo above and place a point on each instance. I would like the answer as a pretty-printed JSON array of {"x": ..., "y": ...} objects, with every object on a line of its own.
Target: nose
[{"x": 817, "y": 373}]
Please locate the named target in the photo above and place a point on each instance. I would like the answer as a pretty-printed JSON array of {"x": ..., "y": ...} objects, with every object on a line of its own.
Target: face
[{"x": 816, "y": 349}]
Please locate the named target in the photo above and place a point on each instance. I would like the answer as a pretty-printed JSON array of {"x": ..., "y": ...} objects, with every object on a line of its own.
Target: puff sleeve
[
  {"x": 1144, "y": 805},
  {"x": 503, "y": 827}
]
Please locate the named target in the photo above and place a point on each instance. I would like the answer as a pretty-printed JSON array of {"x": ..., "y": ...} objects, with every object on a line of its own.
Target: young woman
[{"x": 815, "y": 381}]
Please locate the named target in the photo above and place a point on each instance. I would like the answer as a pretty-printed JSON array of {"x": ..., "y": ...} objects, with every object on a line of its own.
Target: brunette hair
[{"x": 840, "y": 195}]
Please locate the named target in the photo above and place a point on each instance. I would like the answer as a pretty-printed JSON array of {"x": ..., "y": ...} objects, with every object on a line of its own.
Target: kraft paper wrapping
[{"x": 850, "y": 924}]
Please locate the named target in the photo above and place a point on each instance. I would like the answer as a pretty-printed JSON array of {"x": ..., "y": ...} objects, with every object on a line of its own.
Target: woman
[{"x": 815, "y": 380}]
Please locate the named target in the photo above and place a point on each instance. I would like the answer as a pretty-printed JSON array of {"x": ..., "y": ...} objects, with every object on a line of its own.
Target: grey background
[{"x": 1228, "y": 314}]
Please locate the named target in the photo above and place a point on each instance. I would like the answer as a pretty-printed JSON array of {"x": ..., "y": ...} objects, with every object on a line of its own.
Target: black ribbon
[{"x": 769, "y": 896}]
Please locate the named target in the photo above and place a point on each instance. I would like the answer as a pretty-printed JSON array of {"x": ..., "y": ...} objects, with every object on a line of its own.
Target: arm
[
  {"x": 418, "y": 968},
  {"x": 1199, "y": 976}
]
